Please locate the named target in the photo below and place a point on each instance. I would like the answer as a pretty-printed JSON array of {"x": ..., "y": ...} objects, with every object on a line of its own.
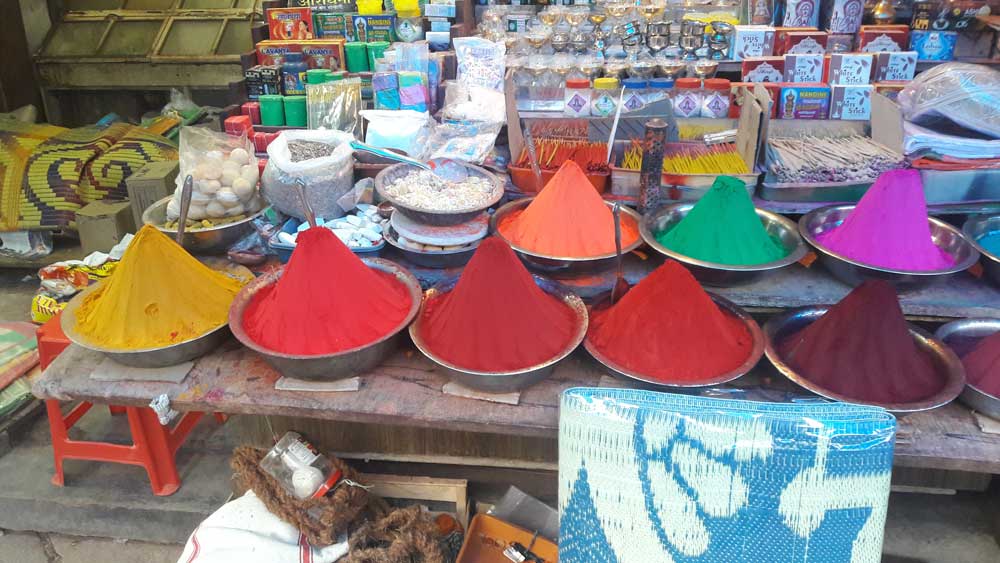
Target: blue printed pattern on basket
[{"x": 649, "y": 477}]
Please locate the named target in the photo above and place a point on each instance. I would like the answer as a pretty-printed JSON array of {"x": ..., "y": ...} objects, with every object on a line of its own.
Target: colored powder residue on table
[
  {"x": 326, "y": 301},
  {"x": 861, "y": 348},
  {"x": 158, "y": 295},
  {"x": 568, "y": 218},
  {"x": 889, "y": 227},
  {"x": 496, "y": 318},
  {"x": 723, "y": 227},
  {"x": 982, "y": 365},
  {"x": 990, "y": 242},
  {"x": 668, "y": 328}
]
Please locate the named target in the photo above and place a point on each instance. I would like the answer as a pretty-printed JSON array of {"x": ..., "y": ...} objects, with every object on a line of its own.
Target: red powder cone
[
  {"x": 862, "y": 349},
  {"x": 982, "y": 365},
  {"x": 496, "y": 318},
  {"x": 668, "y": 328},
  {"x": 326, "y": 301},
  {"x": 568, "y": 218}
]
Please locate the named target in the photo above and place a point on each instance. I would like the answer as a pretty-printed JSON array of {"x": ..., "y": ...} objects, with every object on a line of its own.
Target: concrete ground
[{"x": 921, "y": 528}]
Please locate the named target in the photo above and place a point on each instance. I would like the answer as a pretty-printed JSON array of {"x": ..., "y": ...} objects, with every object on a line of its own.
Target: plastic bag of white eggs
[{"x": 225, "y": 174}]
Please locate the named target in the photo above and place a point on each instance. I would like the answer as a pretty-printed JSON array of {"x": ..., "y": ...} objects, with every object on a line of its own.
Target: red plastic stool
[{"x": 154, "y": 446}]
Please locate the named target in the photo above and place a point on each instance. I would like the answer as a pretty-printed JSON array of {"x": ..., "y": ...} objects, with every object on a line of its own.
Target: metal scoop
[
  {"x": 444, "y": 168},
  {"x": 621, "y": 286},
  {"x": 186, "y": 190}
]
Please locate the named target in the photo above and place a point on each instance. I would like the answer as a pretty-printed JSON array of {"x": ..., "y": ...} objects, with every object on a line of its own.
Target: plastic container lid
[
  {"x": 661, "y": 83},
  {"x": 717, "y": 84},
  {"x": 408, "y": 13},
  {"x": 578, "y": 83},
  {"x": 606, "y": 83},
  {"x": 634, "y": 83},
  {"x": 687, "y": 83}
]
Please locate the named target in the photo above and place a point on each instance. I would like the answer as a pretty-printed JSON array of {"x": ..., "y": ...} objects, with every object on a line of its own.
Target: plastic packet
[
  {"x": 466, "y": 141},
  {"x": 225, "y": 175},
  {"x": 326, "y": 177},
  {"x": 473, "y": 103},
  {"x": 412, "y": 71},
  {"x": 481, "y": 62},
  {"x": 362, "y": 193},
  {"x": 334, "y": 105},
  {"x": 954, "y": 93},
  {"x": 405, "y": 130},
  {"x": 299, "y": 467}
]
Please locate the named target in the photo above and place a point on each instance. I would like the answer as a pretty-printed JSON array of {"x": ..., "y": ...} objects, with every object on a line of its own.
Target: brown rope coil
[
  {"x": 334, "y": 513},
  {"x": 406, "y": 535}
]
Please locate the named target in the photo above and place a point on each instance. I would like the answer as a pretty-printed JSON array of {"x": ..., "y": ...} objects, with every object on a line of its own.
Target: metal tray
[{"x": 961, "y": 336}]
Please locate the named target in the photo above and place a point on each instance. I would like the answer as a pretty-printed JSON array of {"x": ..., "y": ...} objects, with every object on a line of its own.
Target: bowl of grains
[{"x": 428, "y": 199}]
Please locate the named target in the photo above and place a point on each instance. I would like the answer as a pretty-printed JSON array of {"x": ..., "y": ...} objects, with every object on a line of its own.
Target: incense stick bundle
[
  {"x": 552, "y": 153},
  {"x": 812, "y": 159},
  {"x": 681, "y": 158}
]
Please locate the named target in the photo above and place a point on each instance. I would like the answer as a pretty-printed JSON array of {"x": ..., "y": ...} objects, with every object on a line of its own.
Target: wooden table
[{"x": 406, "y": 390}]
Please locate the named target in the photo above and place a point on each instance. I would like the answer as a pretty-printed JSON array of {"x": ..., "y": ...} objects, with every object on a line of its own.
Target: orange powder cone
[{"x": 568, "y": 218}]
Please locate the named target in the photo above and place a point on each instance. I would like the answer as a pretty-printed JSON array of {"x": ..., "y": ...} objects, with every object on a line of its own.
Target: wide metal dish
[
  {"x": 949, "y": 367},
  {"x": 976, "y": 227},
  {"x": 146, "y": 357},
  {"x": 711, "y": 273},
  {"x": 961, "y": 336},
  {"x": 853, "y": 273},
  {"x": 400, "y": 170},
  {"x": 505, "y": 381},
  {"x": 327, "y": 367},
  {"x": 728, "y": 307},
  {"x": 214, "y": 240},
  {"x": 563, "y": 266},
  {"x": 438, "y": 259}
]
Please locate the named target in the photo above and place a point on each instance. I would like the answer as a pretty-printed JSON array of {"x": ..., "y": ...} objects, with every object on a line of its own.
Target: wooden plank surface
[{"x": 406, "y": 390}]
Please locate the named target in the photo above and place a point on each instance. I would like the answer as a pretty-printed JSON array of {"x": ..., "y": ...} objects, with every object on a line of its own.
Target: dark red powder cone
[
  {"x": 668, "y": 328},
  {"x": 496, "y": 318},
  {"x": 326, "y": 301},
  {"x": 862, "y": 349},
  {"x": 982, "y": 365}
]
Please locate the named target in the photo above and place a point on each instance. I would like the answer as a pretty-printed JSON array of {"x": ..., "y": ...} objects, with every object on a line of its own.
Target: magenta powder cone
[{"x": 889, "y": 227}]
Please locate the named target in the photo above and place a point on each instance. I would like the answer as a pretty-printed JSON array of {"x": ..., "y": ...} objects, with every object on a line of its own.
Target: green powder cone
[{"x": 723, "y": 228}]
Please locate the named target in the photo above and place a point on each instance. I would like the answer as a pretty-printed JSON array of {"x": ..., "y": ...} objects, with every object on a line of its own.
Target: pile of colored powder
[
  {"x": 568, "y": 218},
  {"x": 982, "y": 365},
  {"x": 723, "y": 227},
  {"x": 496, "y": 318},
  {"x": 158, "y": 295},
  {"x": 862, "y": 349},
  {"x": 991, "y": 243},
  {"x": 326, "y": 301},
  {"x": 668, "y": 328},
  {"x": 889, "y": 227}
]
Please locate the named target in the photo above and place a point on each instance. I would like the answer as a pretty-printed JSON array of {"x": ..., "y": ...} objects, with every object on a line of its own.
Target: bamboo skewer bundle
[{"x": 830, "y": 159}]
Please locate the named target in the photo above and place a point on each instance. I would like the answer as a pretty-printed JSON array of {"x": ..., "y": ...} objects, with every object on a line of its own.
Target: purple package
[
  {"x": 843, "y": 16},
  {"x": 801, "y": 13},
  {"x": 804, "y": 102}
]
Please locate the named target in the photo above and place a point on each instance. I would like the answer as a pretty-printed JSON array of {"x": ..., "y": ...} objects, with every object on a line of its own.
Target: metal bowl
[
  {"x": 327, "y": 367},
  {"x": 145, "y": 357},
  {"x": 853, "y": 273},
  {"x": 711, "y": 273},
  {"x": 504, "y": 381},
  {"x": 975, "y": 227},
  {"x": 728, "y": 307},
  {"x": 947, "y": 363},
  {"x": 440, "y": 259},
  {"x": 395, "y": 171},
  {"x": 214, "y": 240},
  {"x": 972, "y": 330},
  {"x": 563, "y": 266}
]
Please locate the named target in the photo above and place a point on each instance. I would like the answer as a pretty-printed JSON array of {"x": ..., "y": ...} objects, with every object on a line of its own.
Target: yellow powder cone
[{"x": 158, "y": 295}]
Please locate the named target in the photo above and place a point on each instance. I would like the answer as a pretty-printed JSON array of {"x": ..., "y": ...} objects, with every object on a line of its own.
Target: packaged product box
[
  {"x": 254, "y": 85},
  {"x": 883, "y": 38},
  {"x": 803, "y": 68},
  {"x": 319, "y": 6},
  {"x": 333, "y": 25},
  {"x": 752, "y": 41},
  {"x": 773, "y": 90},
  {"x": 290, "y": 23},
  {"x": 850, "y": 69},
  {"x": 933, "y": 45},
  {"x": 150, "y": 184},
  {"x": 843, "y": 16},
  {"x": 102, "y": 225},
  {"x": 890, "y": 89},
  {"x": 801, "y": 13},
  {"x": 763, "y": 69},
  {"x": 439, "y": 9},
  {"x": 839, "y": 43},
  {"x": 852, "y": 103},
  {"x": 895, "y": 66},
  {"x": 438, "y": 41},
  {"x": 947, "y": 15},
  {"x": 318, "y": 53},
  {"x": 439, "y": 24},
  {"x": 375, "y": 28},
  {"x": 800, "y": 101},
  {"x": 799, "y": 42}
]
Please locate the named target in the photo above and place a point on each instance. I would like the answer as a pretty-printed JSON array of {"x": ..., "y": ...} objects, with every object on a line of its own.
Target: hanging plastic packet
[
  {"x": 480, "y": 62},
  {"x": 334, "y": 105},
  {"x": 466, "y": 141},
  {"x": 404, "y": 130},
  {"x": 299, "y": 468},
  {"x": 412, "y": 69}
]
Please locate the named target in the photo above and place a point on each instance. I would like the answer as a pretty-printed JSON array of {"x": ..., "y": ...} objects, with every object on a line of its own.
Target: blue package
[{"x": 933, "y": 45}]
